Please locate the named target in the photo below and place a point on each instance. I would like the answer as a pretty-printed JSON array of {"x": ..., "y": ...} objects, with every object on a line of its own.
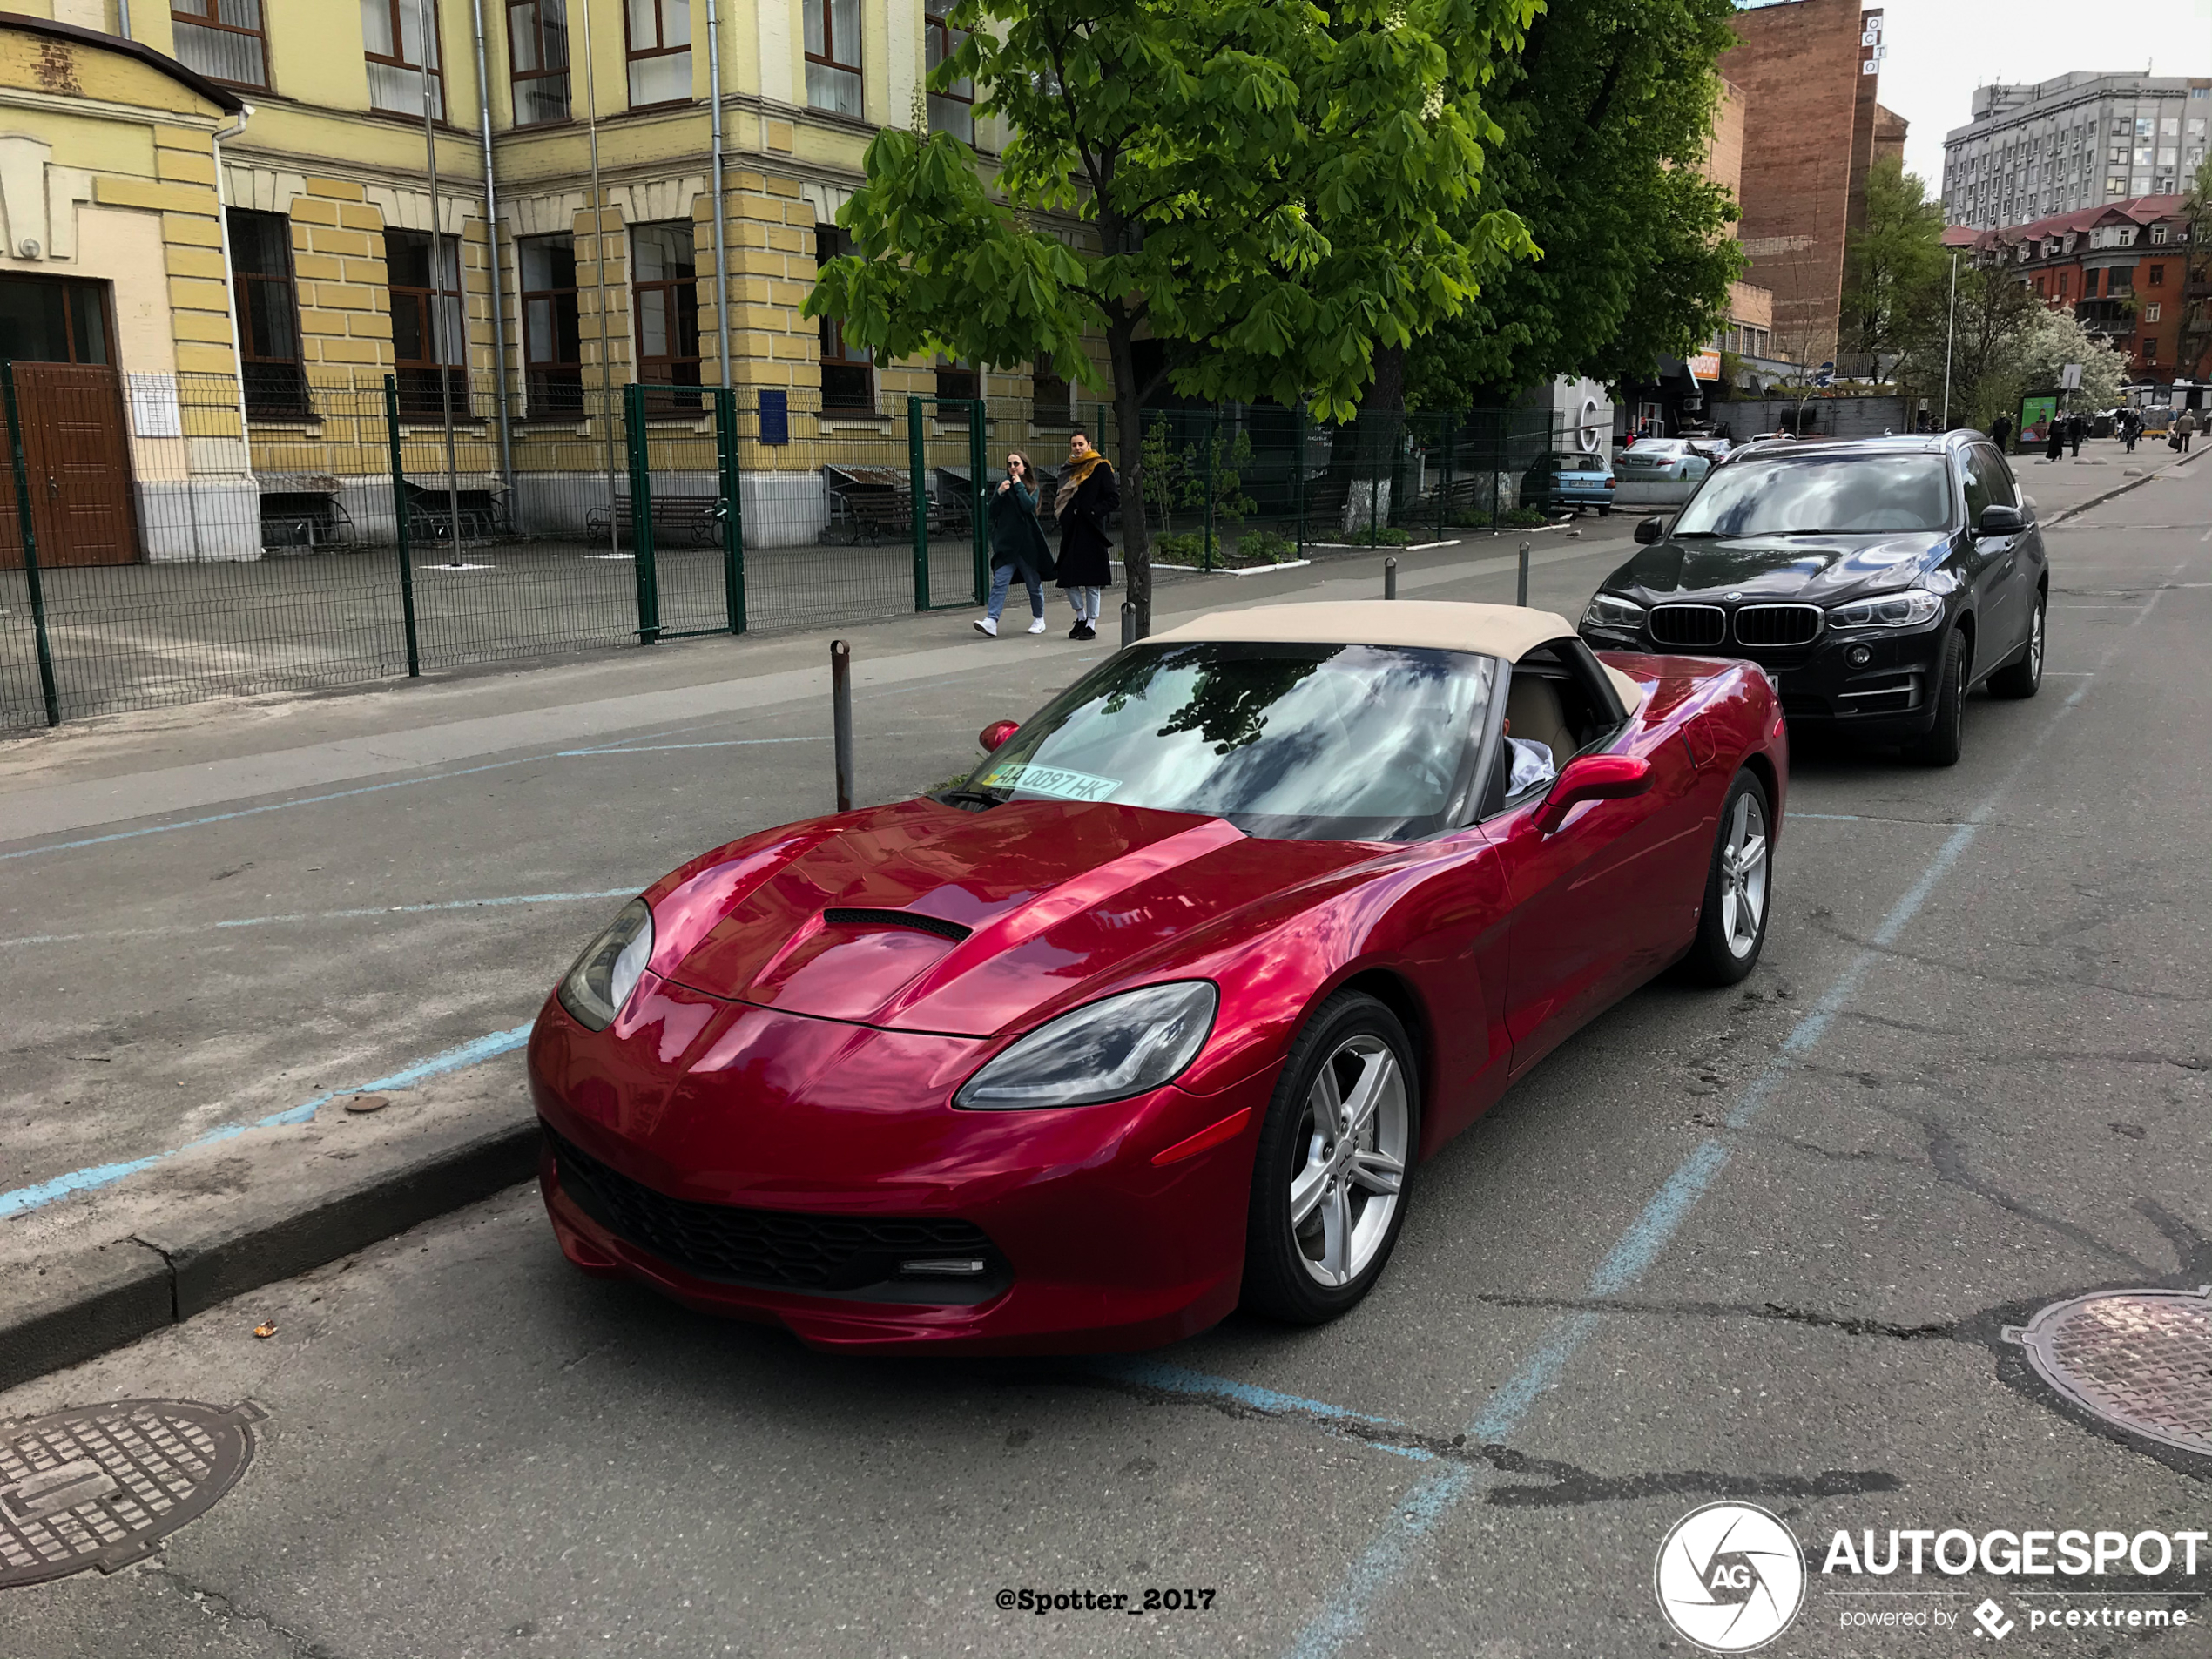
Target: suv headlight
[
  {"x": 595, "y": 990},
  {"x": 1908, "y": 609},
  {"x": 1108, "y": 1050},
  {"x": 1623, "y": 616}
]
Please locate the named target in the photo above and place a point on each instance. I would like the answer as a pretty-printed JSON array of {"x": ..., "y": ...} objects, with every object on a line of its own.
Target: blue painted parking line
[
  {"x": 1343, "y": 1617},
  {"x": 472, "y": 1053}
]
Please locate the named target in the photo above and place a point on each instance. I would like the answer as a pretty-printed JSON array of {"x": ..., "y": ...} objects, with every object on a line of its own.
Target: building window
[
  {"x": 956, "y": 379},
  {"x": 429, "y": 343},
  {"x": 268, "y": 314},
  {"x": 2158, "y": 236},
  {"x": 392, "y": 42},
  {"x": 952, "y": 110},
  {"x": 2063, "y": 278},
  {"x": 222, "y": 39},
  {"x": 1051, "y": 398},
  {"x": 2157, "y": 276},
  {"x": 834, "y": 56},
  {"x": 848, "y": 375},
  {"x": 660, "y": 51},
  {"x": 665, "y": 296},
  {"x": 552, "y": 340},
  {"x": 537, "y": 56},
  {"x": 2150, "y": 349},
  {"x": 2150, "y": 314}
]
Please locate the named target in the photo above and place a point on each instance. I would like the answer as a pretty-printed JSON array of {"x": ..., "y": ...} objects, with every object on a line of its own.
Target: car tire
[
  {"x": 1605, "y": 512},
  {"x": 2023, "y": 675},
  {"x": 1355, "y": 1040},
  {"x": 1739, "y": 887},
  {"x": 1943, "y": 743}
]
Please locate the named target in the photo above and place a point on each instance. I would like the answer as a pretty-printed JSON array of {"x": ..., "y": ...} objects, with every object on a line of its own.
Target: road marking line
[
  {"x": 472, "y": 1053},
  {"x": 319, "y": 915},
  {"x": 1344, "y": 1614},
  {"x": 662, "y": 748}
]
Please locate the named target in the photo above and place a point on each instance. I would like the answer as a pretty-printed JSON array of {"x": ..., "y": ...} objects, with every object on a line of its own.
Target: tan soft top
[{"x": 1510, "y": 631}]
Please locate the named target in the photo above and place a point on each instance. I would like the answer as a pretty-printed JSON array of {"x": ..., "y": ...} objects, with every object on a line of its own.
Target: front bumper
[
  {"x": 1890, "y": 696},
  {"x": 804, "y": 1131}
]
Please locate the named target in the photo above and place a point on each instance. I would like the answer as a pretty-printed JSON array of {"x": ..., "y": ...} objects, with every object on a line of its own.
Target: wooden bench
[{"x": 678, "y": 520}]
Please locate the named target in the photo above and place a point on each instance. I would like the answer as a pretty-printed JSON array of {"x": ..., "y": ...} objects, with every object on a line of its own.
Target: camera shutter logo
[{"x": 1730, "y": 1577}]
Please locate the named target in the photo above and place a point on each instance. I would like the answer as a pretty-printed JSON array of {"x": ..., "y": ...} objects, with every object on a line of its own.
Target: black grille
[
  {"x": 776, "y": 1249},
  {"x": 1689, "y": 624},
  {"x": 937, "y": 925},
  {"x": 1777, "y": 625}
]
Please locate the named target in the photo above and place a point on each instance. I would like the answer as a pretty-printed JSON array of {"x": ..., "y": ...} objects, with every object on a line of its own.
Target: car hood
[
  {"x": 1822, "y": 568},
  {"x": 922, "y": 917}
]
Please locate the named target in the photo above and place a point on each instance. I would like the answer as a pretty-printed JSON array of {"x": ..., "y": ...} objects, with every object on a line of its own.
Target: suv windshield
[
  {"x": 1841, "y": 495},
  {"x": 1362, "y": 743}
]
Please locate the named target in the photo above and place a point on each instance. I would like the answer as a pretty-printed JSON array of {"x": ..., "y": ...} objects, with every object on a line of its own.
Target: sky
[{"x": 1941, "y": 50}]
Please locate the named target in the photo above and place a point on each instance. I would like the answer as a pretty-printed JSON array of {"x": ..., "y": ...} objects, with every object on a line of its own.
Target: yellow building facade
[{"x": 223, "y": 210}]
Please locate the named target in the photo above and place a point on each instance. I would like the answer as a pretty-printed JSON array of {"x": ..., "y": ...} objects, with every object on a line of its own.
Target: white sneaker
[
  {"x": 1037, "y": 625},
  {"x": 987, "y": 626}
]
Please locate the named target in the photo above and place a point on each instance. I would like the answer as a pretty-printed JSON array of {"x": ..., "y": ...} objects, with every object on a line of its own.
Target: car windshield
[
  {"x": 1570, "y": 463},
  {"x": 1837, "y": 494},
  {"x": 1307, "y": 741}
]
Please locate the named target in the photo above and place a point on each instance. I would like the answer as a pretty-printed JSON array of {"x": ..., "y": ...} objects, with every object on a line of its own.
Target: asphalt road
[{"x": 1758, "y": 1243}]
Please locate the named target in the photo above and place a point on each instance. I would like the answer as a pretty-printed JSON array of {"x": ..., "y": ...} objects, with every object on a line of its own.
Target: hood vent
[{"x": 937, "y": 925}]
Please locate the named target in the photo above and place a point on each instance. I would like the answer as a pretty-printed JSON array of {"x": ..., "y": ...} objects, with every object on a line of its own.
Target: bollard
[
  {"x": 1129, "y": 623},
  {"x": 841, "y": 719},
  {"x": 1390, "y": 578},
  {"x": 1521, "y": 590}
]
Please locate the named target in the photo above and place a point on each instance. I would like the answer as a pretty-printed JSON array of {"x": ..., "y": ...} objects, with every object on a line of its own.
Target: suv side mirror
[
  {"x": 2000, "y": 520},
  {"x": 1592, "y": 777},
  {"x": 994, "y": 736},
  {"x": 1650, "y": 530}
]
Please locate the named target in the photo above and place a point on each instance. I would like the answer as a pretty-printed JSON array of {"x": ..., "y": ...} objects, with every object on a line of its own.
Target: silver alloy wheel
[
  {"x": 1744, "y": 876},
  {"x": 1355, "y": 1131},
  {"x": 2035, "y": 647}
]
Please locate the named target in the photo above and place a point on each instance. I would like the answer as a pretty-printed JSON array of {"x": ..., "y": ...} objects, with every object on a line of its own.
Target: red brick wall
[{"x": 1808, "y": 137}]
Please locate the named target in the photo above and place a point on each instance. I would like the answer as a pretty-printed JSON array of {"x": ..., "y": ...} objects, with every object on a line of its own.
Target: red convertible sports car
[{"x": 1158, "y": 1013}]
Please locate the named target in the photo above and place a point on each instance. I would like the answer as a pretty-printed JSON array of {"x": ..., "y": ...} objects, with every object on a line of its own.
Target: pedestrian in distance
[
  {"x": 2000, "y": 430},
  {"x": 2077, "y": 427},
  {"x": 2185, "y": 428},
  {"x": 2131, "y": 428},
  {"x": 1088, "y": 492},
  {"x": 2054, "y": 447},
  {"x": 1017, "y": 544}
]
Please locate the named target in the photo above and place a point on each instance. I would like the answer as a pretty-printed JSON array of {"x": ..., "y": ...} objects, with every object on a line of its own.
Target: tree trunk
[
  {"x": 1136, "y": 535},
  {"x": 1389, "y": 390}
]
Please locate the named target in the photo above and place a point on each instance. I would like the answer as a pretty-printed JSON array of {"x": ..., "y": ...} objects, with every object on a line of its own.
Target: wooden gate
[{"x": 77, "y": 454}]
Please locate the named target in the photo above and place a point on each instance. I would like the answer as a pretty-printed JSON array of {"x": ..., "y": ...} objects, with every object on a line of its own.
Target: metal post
[
  {"x": 1390, "y": 578},
  {"x": 917, "y": 462},
  {"x": 721, "y": 208},
  {"x": 1129, "y": 623},
  {"x": 641, "y": 514},
  {"x": 841, "y": 719},
  {"x": 1521, "y": 586},
  {"x": 1297, "y": 478},
  {"x": 1213, "y": 428},
  {"x": 491, "y": 252},
  {"x": 426, "y": 21},
  {"x": 400, "y": 514},
  {"x": 1950, "y": 328},
  {"x": 1444, "y": 476},
  {"x": 29, "y": 548},
  {"x": 732, "y": 507},
  {"x": 979, "y": 456}
]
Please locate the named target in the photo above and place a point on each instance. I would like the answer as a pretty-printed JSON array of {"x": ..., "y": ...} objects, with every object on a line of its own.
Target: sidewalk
[{"x": 239, "y": 922}]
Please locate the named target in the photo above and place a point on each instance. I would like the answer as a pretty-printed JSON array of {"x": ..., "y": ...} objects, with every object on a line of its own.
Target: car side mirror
[
  {"x": 2000, "y": 520},
  {"x": 1592, "y": 777},
  {"x": 994, "y": 736},
  {"x": 1651, "y": 529}
]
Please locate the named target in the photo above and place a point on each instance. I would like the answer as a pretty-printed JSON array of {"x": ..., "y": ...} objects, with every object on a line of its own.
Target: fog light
[
  {"x": 1860, "y": 656},
  {"x": 942, "y": 1267}
]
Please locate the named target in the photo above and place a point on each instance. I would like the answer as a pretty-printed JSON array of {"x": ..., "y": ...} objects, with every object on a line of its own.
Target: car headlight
[
  {"x": 1908, "y": 609},
  {"x": 1109, "y": 1049},
  {"x": 1606, "y": 611},
  {"x": 595, "y": 990}
]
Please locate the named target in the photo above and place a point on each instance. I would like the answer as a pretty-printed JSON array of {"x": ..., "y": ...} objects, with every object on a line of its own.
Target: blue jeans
[
  {"x": 1003, "y": 579},
  {"x": 1085, "y": 601}
]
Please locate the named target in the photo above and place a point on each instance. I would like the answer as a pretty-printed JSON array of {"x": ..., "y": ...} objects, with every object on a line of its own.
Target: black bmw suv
[{"x": 1877, "y": 581}]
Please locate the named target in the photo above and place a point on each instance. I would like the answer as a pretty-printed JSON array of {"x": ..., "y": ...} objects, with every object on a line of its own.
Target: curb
[
  {"x": 116, "y": 1293},
  {"x": 2079, "y": 507}
]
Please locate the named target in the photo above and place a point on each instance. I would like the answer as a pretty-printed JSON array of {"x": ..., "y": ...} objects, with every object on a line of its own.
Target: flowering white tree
[{"x": 2054, "y": 338}]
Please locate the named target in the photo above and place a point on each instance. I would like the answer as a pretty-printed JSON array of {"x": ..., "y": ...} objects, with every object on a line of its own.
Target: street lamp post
[{"x": 1950, "y": 328}]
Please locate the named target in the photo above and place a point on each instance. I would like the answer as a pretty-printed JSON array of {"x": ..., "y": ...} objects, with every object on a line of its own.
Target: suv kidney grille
[
  {"x": 1689, "y": 625},
  {"x": 1777, "y": 625}
]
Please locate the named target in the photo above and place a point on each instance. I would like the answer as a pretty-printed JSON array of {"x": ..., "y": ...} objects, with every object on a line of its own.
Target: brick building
[{"x": 1810, "y": 71}]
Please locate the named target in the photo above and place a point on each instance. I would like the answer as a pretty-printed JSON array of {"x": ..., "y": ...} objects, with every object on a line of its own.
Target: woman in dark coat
[
  {"x": 1088, "y": 492},
  {"x": 1017, "y": 544}
]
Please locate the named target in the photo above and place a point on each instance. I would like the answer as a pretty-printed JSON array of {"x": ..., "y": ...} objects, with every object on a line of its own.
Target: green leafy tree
[
  {"x": 2197, "y": 309},
  {"x": 1271, "y": 188},
  {"x": 1894, "y": 263},
  {"x": 1979, "y": 337},
  {"x": 1606, "y": 118}
]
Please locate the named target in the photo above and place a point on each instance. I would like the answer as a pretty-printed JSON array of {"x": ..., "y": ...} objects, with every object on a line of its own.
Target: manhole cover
[
  {"x": 2142, "y": 1360},
  {"x": 103, "y": 1485}
]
